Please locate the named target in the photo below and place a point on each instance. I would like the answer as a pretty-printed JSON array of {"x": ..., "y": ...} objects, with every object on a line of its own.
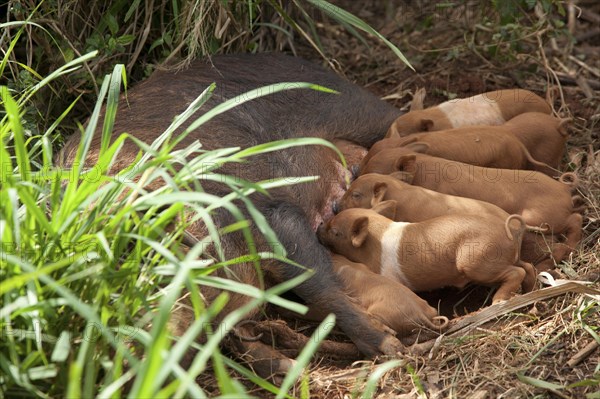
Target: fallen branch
[
  {"x": 582, "y": 354},
  {"x": 569, "y": 80},
  {"x": 464, "y": 325},
  {"x": 470, "y": 322}
]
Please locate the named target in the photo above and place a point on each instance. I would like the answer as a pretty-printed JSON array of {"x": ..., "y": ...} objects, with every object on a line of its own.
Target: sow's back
[{"x": 353, "y": 114}]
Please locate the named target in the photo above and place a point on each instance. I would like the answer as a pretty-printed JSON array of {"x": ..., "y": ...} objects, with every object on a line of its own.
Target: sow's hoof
[{"x": 265, "y": 361}]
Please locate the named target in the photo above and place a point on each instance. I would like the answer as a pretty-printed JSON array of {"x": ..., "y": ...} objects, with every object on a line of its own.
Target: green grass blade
[
  {"x": 376, "y": 375},
  {"x": 62, "y": 70},
  {"x": 539, "y": 383},
  {"x": 179, "y": 120},
  {"x": 84, "y": 310},
  {"x": 69, "y": 196},
  {"x": 200, "y": 362},
  {"x": 306, "y": 355},
  {"x": 14, "y": 119},
  {"x": 248, "y": 96},
  {"x": 112, "y": 103},
  {"x": 344, "y": 16},
  {"x": 15, "y": 40},
  {"x": 251, "y": 375}
]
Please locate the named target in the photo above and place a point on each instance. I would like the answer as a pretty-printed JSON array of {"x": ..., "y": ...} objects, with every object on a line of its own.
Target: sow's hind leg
[
  {"x": 241, "y": 342},
  {"x": 323, "y": 290}
]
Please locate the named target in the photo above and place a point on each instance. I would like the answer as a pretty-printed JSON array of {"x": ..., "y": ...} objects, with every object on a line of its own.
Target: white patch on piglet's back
[
  {"x": 390, "y": 244},
  {"x": 476, "y": 110}
]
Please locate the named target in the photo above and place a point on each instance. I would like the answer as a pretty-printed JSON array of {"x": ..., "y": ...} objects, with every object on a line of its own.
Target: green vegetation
[{"x": 87, "y": 262}]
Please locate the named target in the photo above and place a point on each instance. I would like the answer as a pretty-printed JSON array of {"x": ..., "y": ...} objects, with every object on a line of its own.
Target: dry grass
[
  {"x": 144, "y": 36},
  {"x": 511, "y": 356}
]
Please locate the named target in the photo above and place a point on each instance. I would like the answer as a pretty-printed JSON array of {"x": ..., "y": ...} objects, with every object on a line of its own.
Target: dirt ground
[{"x": 544, "y": 349}]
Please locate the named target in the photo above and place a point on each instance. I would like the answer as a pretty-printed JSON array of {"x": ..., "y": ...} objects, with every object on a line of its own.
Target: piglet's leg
[
  {"x": 573, "y": 234},
  {"x": 547, "y": 265},
  {"x": 323, "y": 289},
  {"x": 530, "y": 276},
  {"x": 537, "y": 250},
  {"x": 510, "y": 277},
  {"x": 511, "y": 280}
]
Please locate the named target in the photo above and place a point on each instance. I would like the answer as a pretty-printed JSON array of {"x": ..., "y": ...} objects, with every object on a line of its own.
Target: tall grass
[
  {"x": 143, "y": 35},
  {"x": 88, "y": 259}
]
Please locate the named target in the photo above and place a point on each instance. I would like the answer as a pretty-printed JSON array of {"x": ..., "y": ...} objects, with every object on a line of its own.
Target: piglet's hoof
[
  {"x": 241, "y": 332},
  {"x": 547, "y": 265},
  {"x": 379, "y": 341},
  {"x": 422, "y": 347},
  {"x": 391, "y": 346},
  {"x": 272, "y": 366}
]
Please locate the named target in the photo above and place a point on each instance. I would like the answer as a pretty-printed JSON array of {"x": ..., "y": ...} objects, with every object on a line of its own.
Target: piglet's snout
[
  {"x": 320, "y": 231},
  {"x": 335, "y": 207}
]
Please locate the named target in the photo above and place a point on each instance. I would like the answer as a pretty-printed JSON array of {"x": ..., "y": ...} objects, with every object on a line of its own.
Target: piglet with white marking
[
  {"x": 491, "y": 108},
  {"x": 451, "y": 250},
  {"x": 417, "y": 204},
  {"x": 532, "y": 140}
]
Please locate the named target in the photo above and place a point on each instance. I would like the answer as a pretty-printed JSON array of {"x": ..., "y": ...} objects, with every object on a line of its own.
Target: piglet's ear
[
  {"x": 379, "y": 190},
  {"x": 405, "y": 163},
  {"x": 392, "y": 132},
  {"x": 419, "y": 146},
  {"x": 406, "y": 177},
  {"x": 360, "y": 231},
  {"x": 562, "y": 126},
  {"x": 418, "y": 99},
  {"x": 406, "y": 141},
  {"x": 386, "y": 208},
  {"x": 426, "y": 125}
]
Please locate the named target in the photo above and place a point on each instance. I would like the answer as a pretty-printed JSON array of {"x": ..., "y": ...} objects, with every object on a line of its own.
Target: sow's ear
[
  {"x": 405, "y": 163},
  {"x": 360, "y": 231},
  {"x": 386, "y": 208},
  {"x": 379, "y": 190}
]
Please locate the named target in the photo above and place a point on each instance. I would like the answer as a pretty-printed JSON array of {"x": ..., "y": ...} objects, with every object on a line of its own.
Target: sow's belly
[
  {"x": 316, "y": 197},
  {"x": 353, "y": 114}
]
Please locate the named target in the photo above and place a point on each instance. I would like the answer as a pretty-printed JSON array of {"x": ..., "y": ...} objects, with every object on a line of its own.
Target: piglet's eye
[{"x": 355, "y": 194}]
